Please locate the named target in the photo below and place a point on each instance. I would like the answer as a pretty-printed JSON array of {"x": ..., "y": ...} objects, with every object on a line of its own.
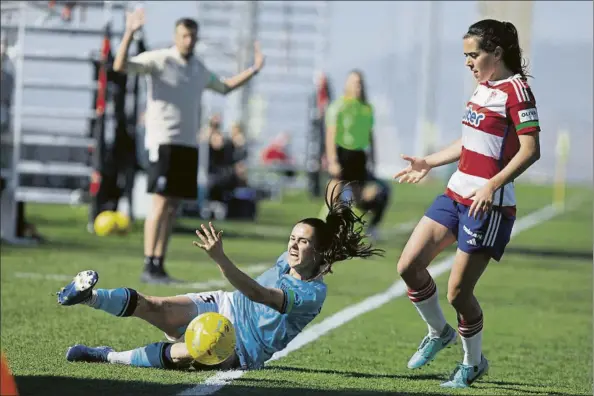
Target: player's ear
[{"x": 498, "y": 53}]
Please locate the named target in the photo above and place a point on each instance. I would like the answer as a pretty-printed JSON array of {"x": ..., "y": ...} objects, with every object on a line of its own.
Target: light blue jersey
[{"x": 260, "y": 330}]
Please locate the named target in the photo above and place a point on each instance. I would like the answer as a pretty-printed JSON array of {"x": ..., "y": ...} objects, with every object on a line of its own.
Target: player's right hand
[
  {"x": 414, "y": 172},
  {"x": 135, "y": 20},
  {"x": 212, "y": 241}
]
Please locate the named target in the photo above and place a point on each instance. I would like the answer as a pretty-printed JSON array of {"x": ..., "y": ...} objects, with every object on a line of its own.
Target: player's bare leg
[
  {"x": 466, "y": 271},
  {"x": 169, "y": 314},
  {"x": 427, "y": 240},
  {"x": 156, "y": 234}
]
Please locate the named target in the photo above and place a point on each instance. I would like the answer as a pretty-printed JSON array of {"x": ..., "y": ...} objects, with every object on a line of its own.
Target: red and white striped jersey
[{"x": 497, "y": 113}]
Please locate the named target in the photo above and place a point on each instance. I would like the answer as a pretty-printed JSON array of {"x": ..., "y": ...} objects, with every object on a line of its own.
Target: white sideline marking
[
  {"x": 206, "y": 285},
  {"x": 312, "y": 333}
]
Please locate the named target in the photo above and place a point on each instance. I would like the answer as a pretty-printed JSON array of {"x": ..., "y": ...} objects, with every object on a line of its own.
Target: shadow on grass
[
  {"x": 550, "y": 253},
  {"x": 66, "y": 386},
  {"x": 355, "y": 374}
]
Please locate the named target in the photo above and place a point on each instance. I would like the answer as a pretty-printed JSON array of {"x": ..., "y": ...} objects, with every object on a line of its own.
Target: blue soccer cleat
[
  {"x": 431, "y": 346},
  {"x": 80, "y": 289},
  {"x": 83, "y": 353},
  {"x": 464, "y": 375}
]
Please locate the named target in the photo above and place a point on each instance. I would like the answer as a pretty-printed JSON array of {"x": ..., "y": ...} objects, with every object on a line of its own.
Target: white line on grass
[
  {"x": 312, "y": 333},
  {"x": 206, "y": 285}
]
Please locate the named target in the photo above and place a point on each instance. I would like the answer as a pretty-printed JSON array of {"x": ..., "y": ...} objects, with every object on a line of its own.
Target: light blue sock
[
  {"x": 118, "y": 302},
  {"x": 157, "y": 355}
]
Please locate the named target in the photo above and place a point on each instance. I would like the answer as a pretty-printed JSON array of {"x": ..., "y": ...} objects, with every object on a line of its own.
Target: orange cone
[{"x": 7, "y": 384}]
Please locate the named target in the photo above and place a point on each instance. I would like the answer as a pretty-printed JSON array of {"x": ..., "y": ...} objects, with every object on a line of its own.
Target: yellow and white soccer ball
[
  {"x": 105, "y": 223},
  {"x": 122, "y": 222},
  {"x": 109, "y": 222},
  {"x": 210, "y": 338}
]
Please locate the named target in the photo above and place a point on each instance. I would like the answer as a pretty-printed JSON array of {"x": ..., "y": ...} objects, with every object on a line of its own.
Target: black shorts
[
  {"x": 175, "y": 174},
  {"x": 353, "y": 164}
]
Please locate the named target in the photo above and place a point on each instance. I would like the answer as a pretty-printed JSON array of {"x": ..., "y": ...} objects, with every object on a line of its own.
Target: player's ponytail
[
  {"x": 341, "y": 236},
  {"x": 492, "y": 34}
]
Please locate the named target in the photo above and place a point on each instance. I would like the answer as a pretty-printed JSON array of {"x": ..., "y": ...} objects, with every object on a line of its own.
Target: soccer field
[{"x": 537, "y": 304}]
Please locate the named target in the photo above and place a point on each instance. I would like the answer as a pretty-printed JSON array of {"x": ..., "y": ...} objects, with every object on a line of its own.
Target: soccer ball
[
  {"x": 122, "y": 222},
  {"x": 210, "y": 338},
  {"x": 105, "y": 223}
]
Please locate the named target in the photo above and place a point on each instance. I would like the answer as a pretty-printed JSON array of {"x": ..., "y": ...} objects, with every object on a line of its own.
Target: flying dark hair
[
  {"x": 341, "y": 236},
  {"x": 492, "y": 34},
  {"x": 363, "y": 88},
  {"x": 188, "y": 23}
]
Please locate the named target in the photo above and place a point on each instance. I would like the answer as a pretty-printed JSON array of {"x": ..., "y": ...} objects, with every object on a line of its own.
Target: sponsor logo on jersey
[
  {"x": 472, "y": 117},
  {"x": 528, "y": 115}
]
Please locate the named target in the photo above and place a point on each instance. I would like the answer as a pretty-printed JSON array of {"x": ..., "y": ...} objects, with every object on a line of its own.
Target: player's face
[
  {"x": 353, "y": 85},
  {"x": 301, "y": 246},
  {"x": 482, "y": 64},
  {"x": 185, "y": 40}
]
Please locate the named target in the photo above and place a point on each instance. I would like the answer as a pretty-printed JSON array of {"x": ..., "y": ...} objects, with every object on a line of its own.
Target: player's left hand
[
  {"x": 258, "y": 57},
  {"x": 482, "y": 203},
  {"x": 212, "y": 241}
]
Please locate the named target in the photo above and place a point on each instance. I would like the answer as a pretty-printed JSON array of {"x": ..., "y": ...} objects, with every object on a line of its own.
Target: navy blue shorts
[{"x": 492, "y": 233}]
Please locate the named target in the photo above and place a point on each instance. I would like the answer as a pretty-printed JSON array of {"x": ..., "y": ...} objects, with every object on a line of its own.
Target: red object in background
[
  {"x": 95, "y": 183},
  {"x": 322, "y": 95},
  {"x": 7, "y": 384},
  {"x": 275, "y": 153},
  {"x": 102, "y": 80}
]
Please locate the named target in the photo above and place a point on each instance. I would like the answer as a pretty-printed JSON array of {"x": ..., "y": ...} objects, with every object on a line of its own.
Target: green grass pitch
[{"x": 537, "y": 304}]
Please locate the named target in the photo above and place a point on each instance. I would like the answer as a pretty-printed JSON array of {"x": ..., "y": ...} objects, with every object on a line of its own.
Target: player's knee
[
  {"x": 458, "y": 296},
  {"x": 407, "y": 267}
]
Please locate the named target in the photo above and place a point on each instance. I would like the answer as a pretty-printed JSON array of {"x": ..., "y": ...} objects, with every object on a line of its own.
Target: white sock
[
  {"x": 472, "y": 340},
  {"x": 473, "y": 348},
  {"x": 426, "y": 301},
  {"x": 120, "y": 357}
]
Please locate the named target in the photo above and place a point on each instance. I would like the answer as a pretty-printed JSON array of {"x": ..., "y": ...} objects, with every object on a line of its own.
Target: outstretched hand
[
  {"x": 135, "y": 20},
  {"x": 212, "y": 241},
  {"x": 414, "y": 172}
]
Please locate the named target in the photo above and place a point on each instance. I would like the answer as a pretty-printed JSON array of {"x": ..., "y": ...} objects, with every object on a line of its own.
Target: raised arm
[
  {"x": 212, "y": 244},
  {"x": 227, "y": 85},
  {"x": 140, "y": 64}
]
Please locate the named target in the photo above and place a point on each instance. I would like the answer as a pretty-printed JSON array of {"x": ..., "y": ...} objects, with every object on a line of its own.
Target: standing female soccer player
[
  {"x": 349, "y": 133},
  {"x": 267, "y": 312},
  {"x": 499, "y": 142}
]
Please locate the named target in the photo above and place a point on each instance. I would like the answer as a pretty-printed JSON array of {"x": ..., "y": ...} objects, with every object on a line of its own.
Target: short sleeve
[
  {"x": 521, "y": 108},
  {"x": 332, "y": 115},
  {"x": 144, "y": 63},
  {"x": 304, "y": 300},
  {"x": 216, "y": 83}
]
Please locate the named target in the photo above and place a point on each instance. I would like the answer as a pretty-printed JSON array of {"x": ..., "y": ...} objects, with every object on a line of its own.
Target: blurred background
[{"x": 410, "y": 53}]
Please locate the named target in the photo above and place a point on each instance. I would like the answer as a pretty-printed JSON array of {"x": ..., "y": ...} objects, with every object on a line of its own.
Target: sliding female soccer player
[
  {"x": 267, "y": 312},
  {"x": 500, "y": 140}
]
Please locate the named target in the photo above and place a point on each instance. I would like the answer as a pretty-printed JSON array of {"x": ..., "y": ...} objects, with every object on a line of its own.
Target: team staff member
[
  {"x": 176, "y": 79},
  {"x": 349, "y": 134}
]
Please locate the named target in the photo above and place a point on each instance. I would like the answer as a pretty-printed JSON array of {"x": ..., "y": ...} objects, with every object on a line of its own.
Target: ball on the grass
[
  {"x": 105, "y": 223},
  {"x": 210, "y": 338},
  {"x": 122, "y": 222}
]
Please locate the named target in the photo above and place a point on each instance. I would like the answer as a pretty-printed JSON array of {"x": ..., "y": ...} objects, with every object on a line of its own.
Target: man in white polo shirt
[{"x": 176, "y": 79}]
